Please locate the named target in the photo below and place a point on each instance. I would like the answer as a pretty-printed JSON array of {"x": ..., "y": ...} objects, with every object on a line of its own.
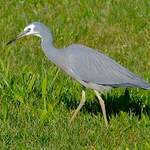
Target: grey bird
[{"x": 89, "y": 67}]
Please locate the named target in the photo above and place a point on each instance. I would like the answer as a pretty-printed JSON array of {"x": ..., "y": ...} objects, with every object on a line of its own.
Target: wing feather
[{"x": 92, "y": 66}]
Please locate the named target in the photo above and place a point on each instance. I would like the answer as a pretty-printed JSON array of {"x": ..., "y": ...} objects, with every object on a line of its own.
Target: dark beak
[{"x": 22, "y": 34}]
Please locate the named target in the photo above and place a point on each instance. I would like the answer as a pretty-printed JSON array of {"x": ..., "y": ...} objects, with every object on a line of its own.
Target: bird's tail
[
  {"x": 147, "y": 87},
  {"x": 140, "y": 83},
  {"x": 143, "y": 84}
]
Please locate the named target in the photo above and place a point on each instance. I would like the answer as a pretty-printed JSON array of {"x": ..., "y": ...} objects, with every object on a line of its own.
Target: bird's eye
[{"x": 29, "y": 29}]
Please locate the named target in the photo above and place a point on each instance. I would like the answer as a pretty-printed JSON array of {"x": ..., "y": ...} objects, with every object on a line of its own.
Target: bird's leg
[
  {"x": 79, "y": 107},
  {"x": 102, "y": 104}
]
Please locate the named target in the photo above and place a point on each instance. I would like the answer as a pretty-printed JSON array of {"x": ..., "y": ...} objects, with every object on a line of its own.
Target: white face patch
[
  {"x": 31, "y": 29},
  {"x": 31, "y": 26}
]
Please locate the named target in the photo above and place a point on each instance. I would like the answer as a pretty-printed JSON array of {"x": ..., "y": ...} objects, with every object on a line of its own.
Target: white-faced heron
[{"x": 91, "y": 68}]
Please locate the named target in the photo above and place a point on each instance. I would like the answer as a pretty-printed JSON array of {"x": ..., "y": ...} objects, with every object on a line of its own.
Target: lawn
[{"x": 37, "y": 99}]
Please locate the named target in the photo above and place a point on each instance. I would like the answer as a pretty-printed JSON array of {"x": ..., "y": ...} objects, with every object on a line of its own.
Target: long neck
[{"x": 50, "y": 51}]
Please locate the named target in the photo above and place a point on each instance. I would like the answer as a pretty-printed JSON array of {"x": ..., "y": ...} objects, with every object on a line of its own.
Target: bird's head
[{"x": 35, "y": 28}]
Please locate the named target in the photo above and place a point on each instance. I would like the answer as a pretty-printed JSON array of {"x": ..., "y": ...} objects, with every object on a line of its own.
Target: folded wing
[{"x": 92, "y": 66}]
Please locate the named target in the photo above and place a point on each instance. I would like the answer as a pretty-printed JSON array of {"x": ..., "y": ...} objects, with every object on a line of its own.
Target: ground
[{"x": 37, "y": 99}]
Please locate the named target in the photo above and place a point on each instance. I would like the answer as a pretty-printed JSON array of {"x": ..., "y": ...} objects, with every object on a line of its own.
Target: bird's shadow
[{"x": 113, "y": 104}]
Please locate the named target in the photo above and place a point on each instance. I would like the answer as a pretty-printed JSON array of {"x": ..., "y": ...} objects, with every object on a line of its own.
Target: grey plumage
[{"x": 91, "y": 68}]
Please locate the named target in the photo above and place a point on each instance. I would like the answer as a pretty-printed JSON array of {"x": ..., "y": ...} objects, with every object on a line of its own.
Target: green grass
[{"x": 37, "y": 99}]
